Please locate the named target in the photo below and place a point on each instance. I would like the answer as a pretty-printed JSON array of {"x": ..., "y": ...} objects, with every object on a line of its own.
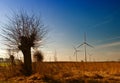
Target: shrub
[{"x": 38, "y": 56}]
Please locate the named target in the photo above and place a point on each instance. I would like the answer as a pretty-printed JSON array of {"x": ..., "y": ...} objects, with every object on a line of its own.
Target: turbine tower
[
  {"x": 85, "y": 44},
  {"x": 75, "y": 52}
]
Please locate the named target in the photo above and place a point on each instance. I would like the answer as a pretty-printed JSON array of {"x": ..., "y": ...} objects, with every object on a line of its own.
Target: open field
[{"x": 71, "y": 72}]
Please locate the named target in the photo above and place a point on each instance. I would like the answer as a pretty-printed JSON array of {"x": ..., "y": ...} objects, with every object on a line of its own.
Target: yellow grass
[
  {"x": 109, "y": 67},
  {"x": 71, "y": 72},
  {"x": 103, "y": 71}
]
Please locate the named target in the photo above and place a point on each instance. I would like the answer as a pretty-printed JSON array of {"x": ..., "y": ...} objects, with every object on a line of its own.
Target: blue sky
[{"x": 67, "y": 21}]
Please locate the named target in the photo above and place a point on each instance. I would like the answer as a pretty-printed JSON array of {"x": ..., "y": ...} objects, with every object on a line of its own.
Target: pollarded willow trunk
[{"x": 27, "y": 61}]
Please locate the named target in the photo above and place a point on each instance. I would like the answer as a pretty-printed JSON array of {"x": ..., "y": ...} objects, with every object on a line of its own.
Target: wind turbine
[
  {"x": 55, "y": 55},
  {"x": 85, "y": 44},
  {"x": 75, "y": 52},
  {"x": 90, "y": 57}
]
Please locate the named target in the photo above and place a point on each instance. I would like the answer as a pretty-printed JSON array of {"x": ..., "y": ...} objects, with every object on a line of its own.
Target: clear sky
[{"x": 67, "y": 21}]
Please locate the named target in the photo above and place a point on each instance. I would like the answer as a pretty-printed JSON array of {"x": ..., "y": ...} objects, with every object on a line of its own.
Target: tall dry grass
[
  {"x": 9, "y": 70},
  {"x": 79, "y": 71},
  {"x": 45, "y": 67},
  {"x": 69, "y": 72}
]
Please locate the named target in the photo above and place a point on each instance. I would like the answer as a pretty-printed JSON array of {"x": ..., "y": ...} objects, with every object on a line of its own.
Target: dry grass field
[{"x": 65, "y": 72}]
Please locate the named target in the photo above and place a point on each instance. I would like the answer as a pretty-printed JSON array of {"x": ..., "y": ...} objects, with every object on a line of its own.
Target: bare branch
[{"x": 23, "y": 25}]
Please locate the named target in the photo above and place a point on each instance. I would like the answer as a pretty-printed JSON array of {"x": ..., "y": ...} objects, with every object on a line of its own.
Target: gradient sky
[{"x": 67, "y": 21}]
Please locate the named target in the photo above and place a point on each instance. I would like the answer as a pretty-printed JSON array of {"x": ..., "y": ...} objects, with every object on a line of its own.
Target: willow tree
[{"x": 24, "y": 31}]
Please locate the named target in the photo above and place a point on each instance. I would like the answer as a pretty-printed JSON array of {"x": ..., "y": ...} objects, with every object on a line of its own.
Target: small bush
[{"x": 38, "y": 56}]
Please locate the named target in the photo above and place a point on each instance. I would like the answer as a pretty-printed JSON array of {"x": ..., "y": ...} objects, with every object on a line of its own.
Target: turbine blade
[
  {"x": 80, "y": 45},
  {"x": 73, "y": 47},
  {"x": 89, "y": 45},
  {"x": 84, "y": 37}
]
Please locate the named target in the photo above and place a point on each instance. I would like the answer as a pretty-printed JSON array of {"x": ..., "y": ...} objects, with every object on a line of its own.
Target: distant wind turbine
[
  {"x": 75, "y": 52},
  {"x": 85, "y": 44},
  {"x": 69, "y": 58},
  {"x": 55, "y": 55},
  {"x": 90, "y": 56}
]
